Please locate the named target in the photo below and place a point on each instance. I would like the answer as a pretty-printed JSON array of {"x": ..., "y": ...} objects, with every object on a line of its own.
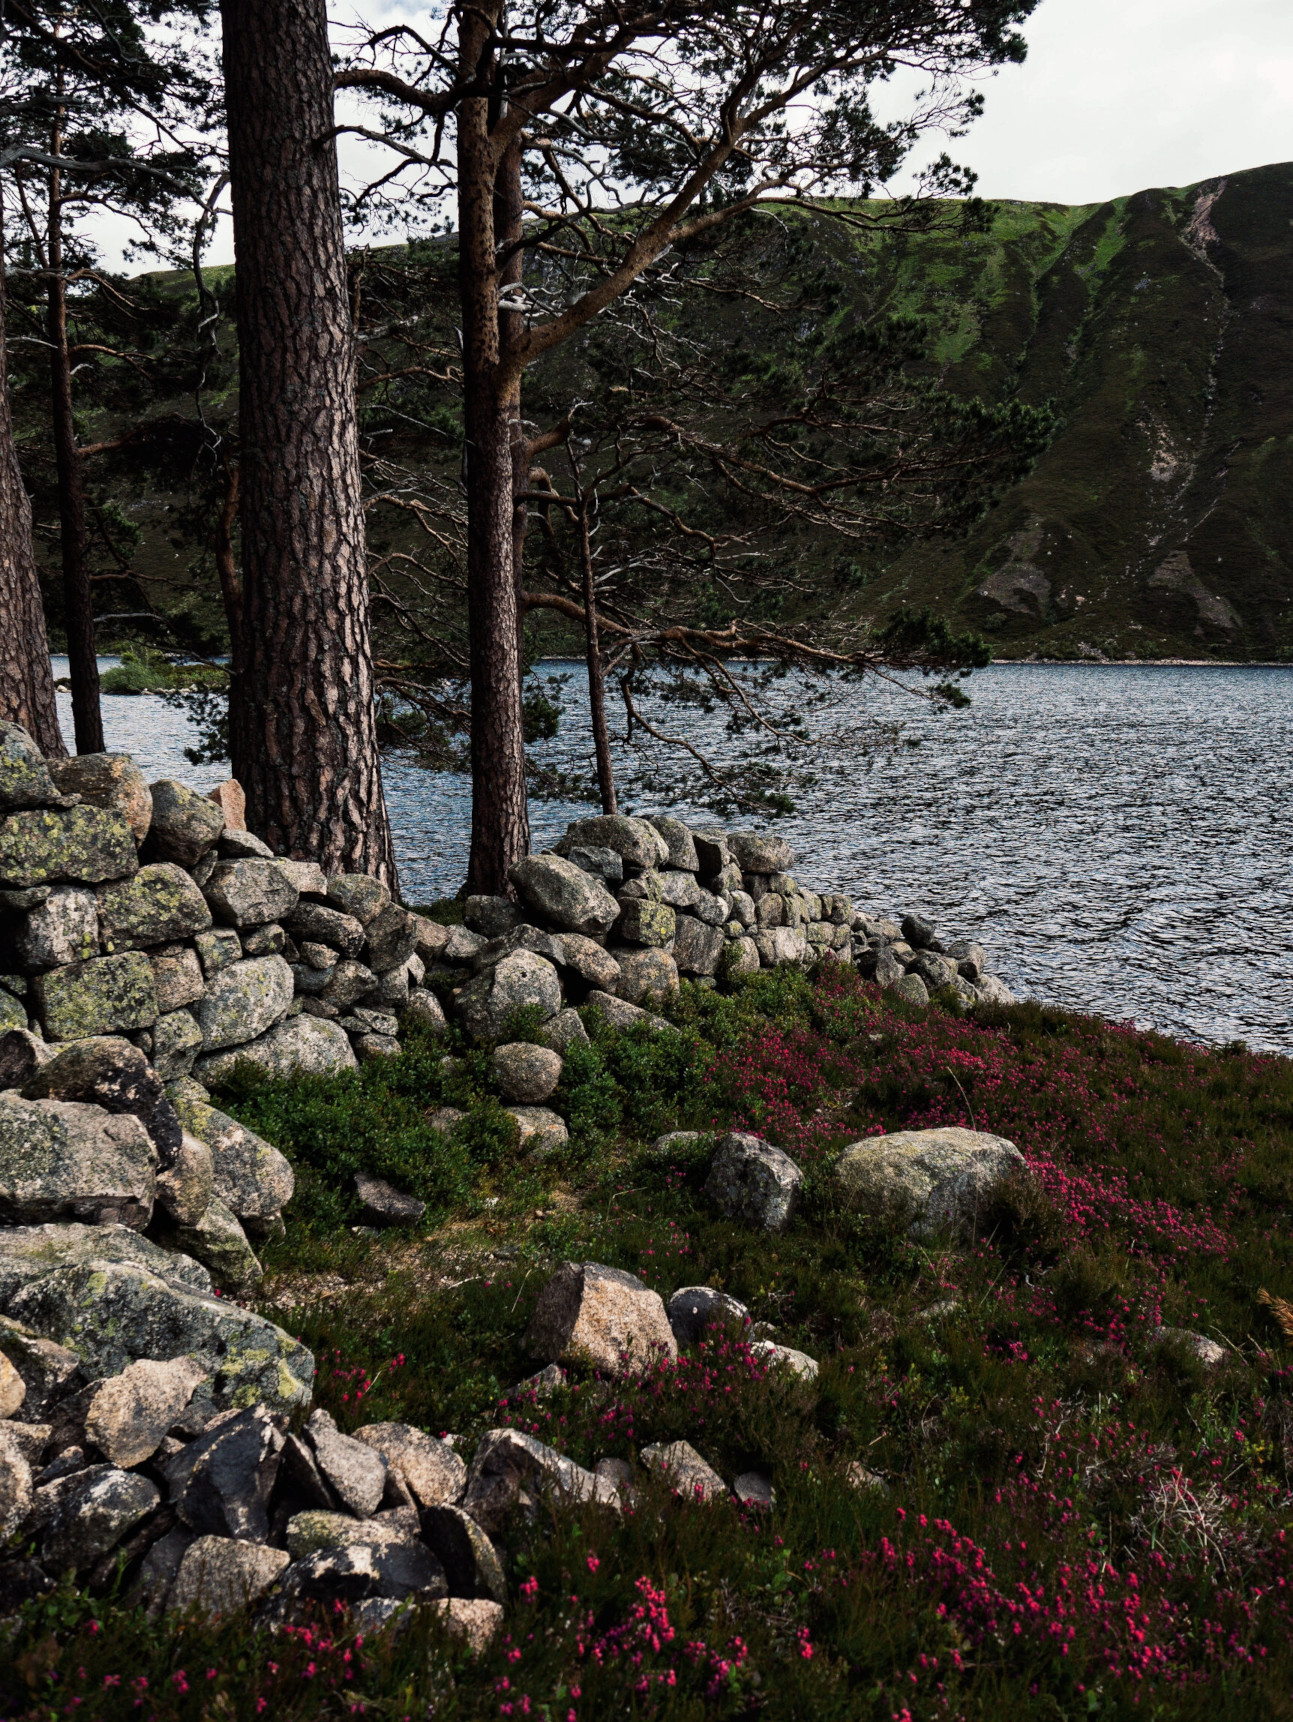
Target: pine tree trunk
[
  {"x": 500, "y": 826},
  {"x": 78, "y": 603},
  {"x": 302, "y": 724},
  {"x": 26, "y": 675},
  {"x": 596, "y": 680}
]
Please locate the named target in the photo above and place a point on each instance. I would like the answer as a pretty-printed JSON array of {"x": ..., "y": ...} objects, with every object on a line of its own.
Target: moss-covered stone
[
  {"x": 158, "y": 904},
  {"x": 220, "y": 1244},
  {"x": 107, "y": 995},
  {"x": 24, "y": 776},
  {"x": 85, "y": 845}
]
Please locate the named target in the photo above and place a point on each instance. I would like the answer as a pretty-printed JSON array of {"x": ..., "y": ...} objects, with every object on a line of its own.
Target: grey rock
[
  {"x": 970, "y": 958},
  {"x": 744, "y": 908},
  {"x": 49, "y": 1372},
  {"x": 220, "y": 1484},
  {"x": 936, "y": 971},
  {"x": 525, "y": 1072},
  {"x": 489, "y": 953},
  {"x": 61, "y": 1159},
  {"x": 543, "y": 1132},
  {"x": 160, "y": 1567},
  {"x": 158, "y": 903},
  {"x": 355, "y": 1471},
  {"x": 637, "y": 844},
  {"x": 177, "y": 977},
  {"x": 1198, "y": 1345},
  {"x": 63, "y": 929},
  {"x": 100, "y": 1507},
  {"x": 740, "y": 957},
  {"x": 620, "y": 1014},
  {"x": 712, "y": 910},
  {"x": 676, "y": 1141},
  {"x": 268, "y": 940},
  {"x": 243, "y": 846},
  {"x": 779, "y": 947},
  {"x": 184, "y": 1189},
  {"x": 81, "y": 844},
  {"x": 322, "y": 925},
  {"x": 680, "y": 890},
  {"x": 429, "y": 1470},
  {"x": 250, "y": 892},
  {"x": 384, "y": 1205},
  {"x": 680, "y": 844},
  {"x": 129, "y": 1414},
  {"x": 177, "y": 1040},
  {"x": 759, "y": 852},
  {"x": 316, "y": 1529},
  {"x": 647, "y": 977},
  {"x": 243, "y": 1001},
  {"x": 250, "y": 1176},
  {"x": 993, "y": 990},
  {"x": 697, "y": 948},
  {"x": 523, "y": 979},
  {"x": 25, "y": 779},
  {"x": 511, "y": 1471},
  {"x": 321, "y": 957},
  {"x": 110, "y": 1073},
  {"x": 349, "y": 982},
  {"x": 920, "y": 933},
  {"x": 786, "y": 1357},
  {"x": 470, "y": 1561},
  {"x": 220, "y": 1575},
  {"x": 358, "y": 894},
  {"x": 603, "y": 864},
  {"x": 391, "y": 939},
  {"x": 112, "y": 1296},
  {"x": 217, "y": 949},
  {"x": 754, "y": 1183},
  {"x": 424, "y": 1009},
  {"x": 912, "y": 989},
  {"x": 360, "y": 1572},
  {"x": 373, "y": 1021},
  {"x": 432, "y": 938},
  {"x": 752, "y": 1489},
  {"x": 589, "y": 960},
  {"x": 644, "y": 922},
  {"x": 217, "y": 1240},
  {"x": 689, "y": 1474},
  {"x": 464, "y": 946},
  {"x": 694, "y": 1308},
  {"x": 929, "y": 1178},
  {"x": 712, "y": 852},
  {"x": 184, "y": 825},
  {"x": 111, "y": 781},
  {"x": 303, "y": 876},
  {"x": 105, "y": 995},
  {"x": 600, "y": 1316},
  {"x": 491, "y": 917},
  {"x": 565, "y": 894},
  {"x": 368, "y": 1047},
  {"x": 391, "y": 993},
  {"x": 564, "y": 1031},
  {"x": 15, "y": 1485}
]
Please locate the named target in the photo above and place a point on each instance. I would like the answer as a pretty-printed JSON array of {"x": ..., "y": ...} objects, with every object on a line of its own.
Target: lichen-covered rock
[
  {"x": 526, "y": 1072},
  {"x": 522, "y": 979},
  {"x": 468, "y": 1557},
  {"x": 754, "y": 1183},
  {"x": 778, "y": 947},
  {"x": 305, "y": 1044},
  {"x": 599, "y": 1315},
  {"x": 384, "y": 1205},
  {"x": 217, "y": 1240},
  {"x": 620, "y": 1014},
  {"x": 99, "y": 1507},
  {"x": 85, "y": 845},
  {"x": 184, "y": 1188},
  {"x": 349, "y": 982},
  {"x": 157, "y": 904},
  {"x": 25, "y": 779},
  {"x": 511, "y": 1470},
  {"x": 243, "y": 1001},
  {"x": 679, "y": 890},
  {"x": 62, "y": 929},
  {"x": 105, "y": 995},
  {"x": 930, "y": 1178},
  {"x": 643, "y": 922},
  {"x": 15, "y": 1485},
  {"x": 250, "y": 892},
  {"x": 542, "y": 1131},
  {"x": 740, "y": 957},
  {"x": 111, "y": 1073},
  {"x": 220, "y": 1575},
  {"x": 681, "y": 845},
  {"x": 564, "y": 894},
  {"x": 390, "y": 939},
  {"x": 109, "y": 780},
  {"x": 217, "y": 949},
  {"x": 112, "y": 1296},
  {"x": 757, "y": 852},
  {"x": 177, "y": 1040},
  {"x": 321, "y": 925},
  {"x": 13, "y": 1013},
  {"x": 184, "y": 826},
  {"x": 697, "y": 947},
  {"x": 317, "y": 1528},
  {"x": 177, "y": 976},
  {"x": 128, "y": 1415},
  {"x": 358, "y": 894},
  {"x": 49, "y": 1372},
  {"x": 430, "y": 1470},
  {"x": 637, "y": 844},
  {"x": 647, "y": 977},
  {"x": 66, "y": 1159},
  {"x": 250, "y": 1176},
  {"x": 691, "y": 1476}
]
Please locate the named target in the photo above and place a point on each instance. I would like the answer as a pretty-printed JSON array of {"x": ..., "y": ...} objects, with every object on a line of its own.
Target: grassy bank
[{"x": 1075, "y": 1518}]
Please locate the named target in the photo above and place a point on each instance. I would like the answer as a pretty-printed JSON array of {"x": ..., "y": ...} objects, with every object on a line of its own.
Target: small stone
[
  {"x": 564, "y": 1031},
  {"x": 424, "y": 1010},
  {"x": 100, "y": 1506},
  {"x": 25, "y": 779},
  {"x": 384, "y": 1205},
  {"x": 757, "y": 852},
  {"x": 157, "y": 904},
  {"x": 217, "y": 949},
  {"x": 993, "y": 990},
  {"x": 912, "y": 989},
  {"x": 603, "y": 864},
  {"x": 184, "y": 826},
  {"x": 754, "y": 1490},
  {"x": 21, "y": 1056},
  {"x": 177, "y": 977},
  {"x": 13, "y": 1389},
  {"x": 475, "y": 1620},
  {"x": 919, "y": 933},
  {"x": 390, "y": 939},
  {"x": 543, "y": 1131},
  {"x": 526, "y": 1073},
  {"x": 326, "y": 926},
  {"x": 620, "y": 1014},
  {"x": 600, "y": 1316},
  {"x": 184, "y": 1190},
  {"x": 177, "y": 1040},
  {"x": 63, "y": 929},
  {"x": 243, "y": 846},
  {"x": 445, "y": 1119},
  {"x": 565, "y": 894},
  {"x": 231, "y": 799},
  {"x": 217, "y": 1240},
  {"x": 858, "y": 1477},
  {"x": 490, "y": 916},
  {"x": 268, "y": 940},
  {"x": 511, "y": 1470},
  {"x": 220, "y": 1575},
  {"x": 786, "y": 1357},
  {"x": 679, "y": 1142},
  {"x": 105, "y": 995},
  {"x": 930, "y": 1178},
  {"x": 354, "y": 1470},
  {"x": 359, "y": 895},
  {"x": 221, "y": 1483},
  {"x": 129, "y": 1414},
  {"x": 430, "y": 1470},
  {"x": 693, "y": 1309},
  {"x": 349, "y": 982},
  {"x": 643, "y": 922},
  {"x": 754, "y": 1183},
  {"x": 686, "y": 1470},
  {"x": 1198, "y": 1345}
]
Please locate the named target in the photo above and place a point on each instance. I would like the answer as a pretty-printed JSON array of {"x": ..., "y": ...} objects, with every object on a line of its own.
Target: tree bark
[
  {"x": 302, "y": 723},
  {"x": 500, "y": 827},
  {"x": 596, "y": 680},
  {"x": 27, "y": 694},
  {"x": 78, "y": 603}
]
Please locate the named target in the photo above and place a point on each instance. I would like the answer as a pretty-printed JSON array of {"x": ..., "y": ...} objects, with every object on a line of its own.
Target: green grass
[{"x": 1078, "y": 1520}]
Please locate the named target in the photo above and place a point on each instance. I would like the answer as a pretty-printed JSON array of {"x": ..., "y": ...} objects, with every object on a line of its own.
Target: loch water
[{"x": 1119, "y": 837}]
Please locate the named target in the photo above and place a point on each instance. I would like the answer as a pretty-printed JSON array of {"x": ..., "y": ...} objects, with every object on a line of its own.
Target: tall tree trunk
[
  {"x": 78, "y": 603},
  {"x": 500, "y": 826},
  {"x": 596, "y": 680},
  {"x": 26, "y": 675},
  {"x": 302, "y": 724},
  {"x": 509, "y": 211}
]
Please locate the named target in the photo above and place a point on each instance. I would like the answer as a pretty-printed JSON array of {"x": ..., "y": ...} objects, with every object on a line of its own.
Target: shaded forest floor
[{"x": 1073, "y": 1517}]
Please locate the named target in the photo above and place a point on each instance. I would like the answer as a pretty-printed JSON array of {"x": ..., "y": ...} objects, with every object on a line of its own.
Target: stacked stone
[{"x": 913, "y": 962}]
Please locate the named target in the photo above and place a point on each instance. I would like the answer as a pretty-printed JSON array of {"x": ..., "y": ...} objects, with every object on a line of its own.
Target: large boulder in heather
[
  {"x": 637, "y": 844},
  {"x": 932, "y": 1179},
  {"x": 249, "y": 893},
  {"x": 109, "y": 780},
  {"x": 601, "y": 1316},
  {"x": 754, "y": 1183},
  {"x": 157, "y": 905},
  {"x": 112, "y": 1296},
  {"x": 63, "y": 929},
  {"x": 303, "y": 1045},
  {"x": 243, "y": 1001},
  {"x": 522, "y": 979},
  {"x": 564, "y": 894},
  {"x": 25, "y": 779},
  {"x": 106, "y": 995},
  {"x": 220, "y": 1575},
  {"x": 85, "y": 845},
  {"x": 62, "y": 1159},
  {"x": 184, "y": 825}
]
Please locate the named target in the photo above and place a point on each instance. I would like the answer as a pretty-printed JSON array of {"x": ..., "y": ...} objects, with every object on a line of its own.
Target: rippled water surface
[{"x": 1119, "y": 837}]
